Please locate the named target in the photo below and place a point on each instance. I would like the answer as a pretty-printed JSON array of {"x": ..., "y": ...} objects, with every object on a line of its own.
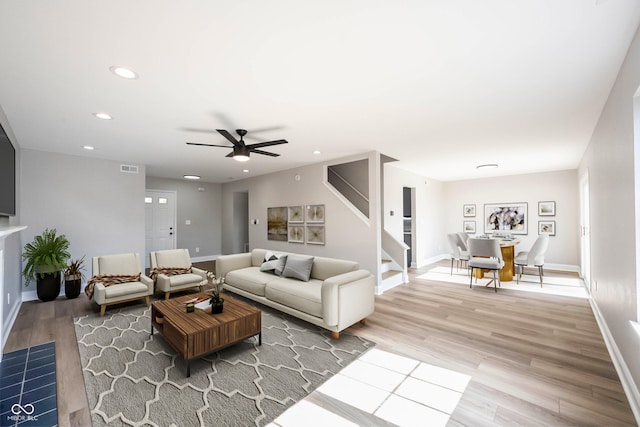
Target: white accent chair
[
  {"x": 534, "y": 257},
  {"x": 121, "y": 264},
  {"x": 485, "y": 254},
  {"x": 458, "y": 250},
  {"x": 176, "y": 258}
]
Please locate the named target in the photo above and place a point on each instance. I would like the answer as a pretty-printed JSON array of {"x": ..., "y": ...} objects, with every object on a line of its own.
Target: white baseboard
[
  {"x": 562, "y": 267},
  {"x": 29, "y": 295},
  {"x": 433, "y": 260},
  {"x": 628, "y": 384}
]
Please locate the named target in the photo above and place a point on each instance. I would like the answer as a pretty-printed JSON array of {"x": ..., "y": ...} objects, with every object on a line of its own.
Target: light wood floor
[{"x": 534, "y": 359}]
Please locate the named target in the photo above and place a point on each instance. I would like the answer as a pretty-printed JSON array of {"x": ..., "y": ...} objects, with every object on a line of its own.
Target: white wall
[
  {"x": 202, "y": 208},
  {"x": 346, "y": 235},
  {"x": 429, "y": 198},
  {"x": 561, "y": 187},
  {"x": 609, "y": 161},
  {"x": 98, "y": 208}
]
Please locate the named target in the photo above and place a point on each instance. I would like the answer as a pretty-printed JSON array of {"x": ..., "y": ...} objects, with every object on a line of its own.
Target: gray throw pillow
[
  {"x": 298, "y": 267},
  {"x": 273, "y": 263}
]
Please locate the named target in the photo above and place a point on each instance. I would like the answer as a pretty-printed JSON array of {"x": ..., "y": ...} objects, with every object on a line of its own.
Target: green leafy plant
[
  {"x": 74, "y": 269},
  {"x": 47, "y": 253}
]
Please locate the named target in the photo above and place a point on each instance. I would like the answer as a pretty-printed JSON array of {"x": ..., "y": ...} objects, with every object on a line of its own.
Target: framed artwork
[
  {"x": 315, "y": 234},
  {"x": 547, "y": 227},
  {"x": 509, "y": 217},
  {"x": 296, "y": 214},
  {"x": 469, "y": 227},
  {"x": 547, "y": 208},
  {"x": 315, "y": 214},
  {"x": 296, "y": 233},
  {"x": 469, "y": 210},
  {"x": 277, "y": 224}
]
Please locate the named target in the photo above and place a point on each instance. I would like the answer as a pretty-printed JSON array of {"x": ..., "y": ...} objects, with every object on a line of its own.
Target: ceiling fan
[{"x": 241, "y": 150}]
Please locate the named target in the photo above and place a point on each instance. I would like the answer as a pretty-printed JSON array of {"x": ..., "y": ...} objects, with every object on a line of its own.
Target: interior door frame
[
  {"x": 585, "y": 231},
  {"x": 175, "y": 214}
]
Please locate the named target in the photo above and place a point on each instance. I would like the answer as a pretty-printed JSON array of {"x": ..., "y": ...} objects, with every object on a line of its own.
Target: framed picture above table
[
  {"x": 546, "y": 208},
  {"x": 509, "y": 217},
  {"x": 469, "y": 227},
  {"x": 469, "y": 211},
  {"x": 547, "y": 227}
]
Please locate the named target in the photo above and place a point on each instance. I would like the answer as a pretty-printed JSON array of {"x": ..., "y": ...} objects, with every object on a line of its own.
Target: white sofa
[
  {"x": 337, "y": 294},
  {"x": 120, "y": 264},
  {"x": 176, "y": 258}
]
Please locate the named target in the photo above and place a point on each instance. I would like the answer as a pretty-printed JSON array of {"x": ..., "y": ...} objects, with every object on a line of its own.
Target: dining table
[{"x": 507, "y": 247}]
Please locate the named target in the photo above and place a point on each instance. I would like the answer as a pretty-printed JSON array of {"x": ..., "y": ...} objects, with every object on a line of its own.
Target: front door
[{"x": 160, "y": 211}]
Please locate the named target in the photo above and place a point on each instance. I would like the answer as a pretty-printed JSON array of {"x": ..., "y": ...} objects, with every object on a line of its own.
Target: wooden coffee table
[{"x": 195, "y": 334}]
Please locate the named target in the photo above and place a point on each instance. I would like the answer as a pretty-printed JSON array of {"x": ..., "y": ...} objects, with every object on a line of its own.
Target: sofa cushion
[
  {"x": 123, "y": 264},
  {"x": 183, "y": 279},
  {"x": 173, "y": 258},
  {"x": 249, "y": 279},
  {"x": 306, "y": 297},
  {"x": 298, "y": 267},
  {"x": 323, "y": 268},
  {"x": 273, "y": 263},
  {"x": 122, "y": 289}
]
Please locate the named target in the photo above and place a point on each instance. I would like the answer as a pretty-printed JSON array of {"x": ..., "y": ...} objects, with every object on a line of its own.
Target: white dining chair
[
  {"x": 485, "y": 254},
  {"x": 533, "y": 257},
  {"x": 458, "y": 250}
]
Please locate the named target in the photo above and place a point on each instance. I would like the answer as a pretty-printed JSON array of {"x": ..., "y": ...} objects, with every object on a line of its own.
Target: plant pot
[
  {"x": 48, "y": 286},
  {"x": 72, "y": 286},
  {"x": 216, "y": 308}
]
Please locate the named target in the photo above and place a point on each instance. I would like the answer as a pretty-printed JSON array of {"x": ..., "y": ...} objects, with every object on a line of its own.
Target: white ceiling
[{"x": 442, "y": 86}]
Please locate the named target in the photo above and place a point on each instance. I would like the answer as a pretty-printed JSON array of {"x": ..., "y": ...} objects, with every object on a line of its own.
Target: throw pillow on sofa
[
  {"x": 298, "y": 267},
  {"x": 273, "y": 263}
]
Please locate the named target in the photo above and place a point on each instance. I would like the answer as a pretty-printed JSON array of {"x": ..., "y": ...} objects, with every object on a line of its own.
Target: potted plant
[
  {"x": 73, "y": 277},
  {"x": 216, "y": 302},
  {"x": 46, "y": 257}
]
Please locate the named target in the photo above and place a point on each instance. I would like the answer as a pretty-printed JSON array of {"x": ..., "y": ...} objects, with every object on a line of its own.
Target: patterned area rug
[{"x": 133, "y": 379}]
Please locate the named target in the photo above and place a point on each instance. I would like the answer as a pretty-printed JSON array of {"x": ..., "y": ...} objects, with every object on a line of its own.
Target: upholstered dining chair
[
  {"x": 485, "y": 254},
  {"x": 533, "y": 257},
  {"x": 458, "y": 249}
]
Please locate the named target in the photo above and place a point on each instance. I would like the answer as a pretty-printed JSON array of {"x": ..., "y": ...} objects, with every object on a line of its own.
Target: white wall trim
[
  {"x": 628, "y": 384},
  {"x": 433, "y": 260},
  {"x": 205, "y": 258},
  {"x": 29, "y": 295},
  {"x": 562, "y": 267},
  {"x": 6, "y": 328}
]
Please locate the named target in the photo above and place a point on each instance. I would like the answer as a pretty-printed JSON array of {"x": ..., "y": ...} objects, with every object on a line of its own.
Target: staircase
[{"x": 391, "y": 275}]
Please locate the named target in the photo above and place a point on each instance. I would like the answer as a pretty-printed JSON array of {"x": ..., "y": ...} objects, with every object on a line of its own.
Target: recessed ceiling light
[
  {"x": 88, "y": 147},
  {"x": 245, "y": 170},
  {"x": 194, "y": 177},
  {"x": 103, "y": 116},
  {"x": 487, "y": 166},
  {"x": 316, "y": 151},
  {"x": 125, "y": 73}
]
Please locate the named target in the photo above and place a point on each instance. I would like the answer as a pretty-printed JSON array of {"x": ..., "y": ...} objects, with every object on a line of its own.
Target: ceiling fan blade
[
  {"x": 230, "y": 154},
  {"x": 266, "y": 153},
  {"x": 267, "y": 144},
  {"x": 208, "y": 145},
  {"x": 209, "y": 131},
  {"x": 265, "y": 129},
  {"x": 229, "y": 137}
]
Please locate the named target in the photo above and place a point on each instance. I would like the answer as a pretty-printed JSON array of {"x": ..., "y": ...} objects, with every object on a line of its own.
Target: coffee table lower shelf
[{"x": 196, "y": 334}]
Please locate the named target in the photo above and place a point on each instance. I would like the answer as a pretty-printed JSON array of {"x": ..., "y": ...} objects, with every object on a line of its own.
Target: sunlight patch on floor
[
  {"x": 553, "y": 285},
  {"x": 395, "y": 388}
]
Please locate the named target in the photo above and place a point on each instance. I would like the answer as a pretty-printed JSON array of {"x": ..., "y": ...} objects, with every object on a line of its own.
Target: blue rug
[{"x": 28, "y": 387}]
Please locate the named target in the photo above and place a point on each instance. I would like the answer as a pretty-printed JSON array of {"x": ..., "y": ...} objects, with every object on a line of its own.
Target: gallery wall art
[
  {"x": 510, "y": 217},
  {"x": 277, "y": 224},
  {"x": 297, "y": 224}
]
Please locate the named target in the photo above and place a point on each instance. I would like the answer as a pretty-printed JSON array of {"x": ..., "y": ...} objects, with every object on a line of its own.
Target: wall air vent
[{"x": 129, "y": 168}]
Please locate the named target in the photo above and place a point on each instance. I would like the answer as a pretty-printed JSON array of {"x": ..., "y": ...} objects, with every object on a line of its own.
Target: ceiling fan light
[{"x": 241, "y": 154}]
